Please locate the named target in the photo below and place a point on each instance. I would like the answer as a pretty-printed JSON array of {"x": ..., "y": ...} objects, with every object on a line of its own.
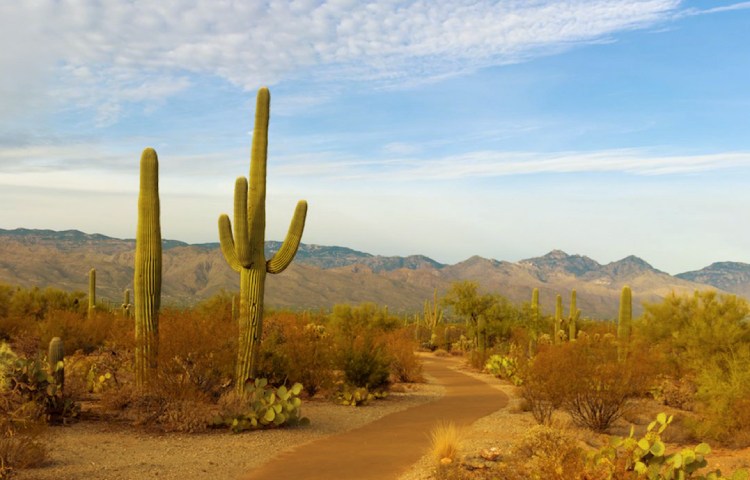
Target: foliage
[
  {"x": 505, "y": 367},
  {"x": 357, "y": 396},
  {"x": 262, "y": 406},
  {"x": 544, "y": 453},
  {"x": 31, "y": 394},
  {"x": 365, "y": 363},
  {"x": 20, "y": 447},
  {"x": 404, "y": 365},
  {"x": 647, "y": 457},
  {"x": 587, "y": 380},
  {"x": 706, "y": 337}
]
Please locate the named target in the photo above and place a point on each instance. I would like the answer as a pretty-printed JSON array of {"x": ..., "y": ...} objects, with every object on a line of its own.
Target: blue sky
[{"x": 499, "y": 128}]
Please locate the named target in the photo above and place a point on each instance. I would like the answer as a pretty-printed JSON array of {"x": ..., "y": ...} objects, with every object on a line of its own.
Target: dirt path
[{"x": 387, "y": 447}]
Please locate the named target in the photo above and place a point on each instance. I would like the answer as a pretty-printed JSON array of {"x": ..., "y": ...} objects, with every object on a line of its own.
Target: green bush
[{"x": 365, "y": 363}]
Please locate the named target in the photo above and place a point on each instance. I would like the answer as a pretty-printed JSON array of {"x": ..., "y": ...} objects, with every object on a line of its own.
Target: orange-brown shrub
[
  {"x": 197, "y": 348},
  {"x": 400, "y": 346},
  {"x": 586, "y": 379}
]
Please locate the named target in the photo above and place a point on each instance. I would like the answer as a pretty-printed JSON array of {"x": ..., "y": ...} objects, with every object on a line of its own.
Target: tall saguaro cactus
[
  {"x": 243, "y": 247},
  {"x": 624, "y": 322},
  {"x": 147, "y": 279},
  {"x": 92, "y": 292}
]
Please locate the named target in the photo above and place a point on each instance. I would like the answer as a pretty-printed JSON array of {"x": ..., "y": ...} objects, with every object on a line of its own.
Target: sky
[{"x": 503, "y": 128}]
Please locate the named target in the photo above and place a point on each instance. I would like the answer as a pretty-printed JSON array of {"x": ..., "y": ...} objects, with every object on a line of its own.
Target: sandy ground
[{"x": 89, "y": 450}]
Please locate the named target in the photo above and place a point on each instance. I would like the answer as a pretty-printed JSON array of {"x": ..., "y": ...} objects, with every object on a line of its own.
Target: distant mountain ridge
[{"x": 322, "y": 276}]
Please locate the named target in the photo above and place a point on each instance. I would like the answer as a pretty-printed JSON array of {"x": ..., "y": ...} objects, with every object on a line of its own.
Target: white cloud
[{"x": 102, "y": 54}]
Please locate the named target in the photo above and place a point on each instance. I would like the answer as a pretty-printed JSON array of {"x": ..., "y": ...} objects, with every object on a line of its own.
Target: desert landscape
[{"x": 349, "y": 278}]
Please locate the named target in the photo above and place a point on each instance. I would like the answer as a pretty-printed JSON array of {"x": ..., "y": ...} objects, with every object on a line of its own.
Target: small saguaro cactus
[
  {"x": 92, "y": 292},
  {"x": 126, "y": 303},
  {"x": 55, "y": 356},
  {"x": 573, "y": 317},
  {"x": 147, "y": 278},
  {"x": 558, "y": 319},
  {"x": 243, "y": 247},
  {"x": 624, "y": 323}
]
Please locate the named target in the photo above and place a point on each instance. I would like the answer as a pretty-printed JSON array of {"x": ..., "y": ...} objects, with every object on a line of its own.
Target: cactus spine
[
  {"x": 624, "y": 323},
  {"x": 573, "y": 317},
  {"x": 55, "y": 356},
  {"x": 92, "y": 292},
  {"x": 243, "y": 247},
  {"x": 147, "y": 279},
  {"x": 558, "y": 319}
]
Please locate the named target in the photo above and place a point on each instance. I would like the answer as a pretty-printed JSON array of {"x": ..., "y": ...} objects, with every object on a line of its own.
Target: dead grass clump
[
  {"x": 20, "y": 449},
  {"x": 544, "y": 453},
  {"x": 445, "y": 440}
]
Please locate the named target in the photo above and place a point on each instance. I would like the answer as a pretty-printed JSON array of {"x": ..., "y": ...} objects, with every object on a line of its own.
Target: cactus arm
[
  {"x": 288, "y": 250},
  {"x": 241, "y": 238},
  {"x": 227, "y": 243}
]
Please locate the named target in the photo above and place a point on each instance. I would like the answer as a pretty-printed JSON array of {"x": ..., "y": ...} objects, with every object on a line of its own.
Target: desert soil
[{"x": 95, "y": 450}]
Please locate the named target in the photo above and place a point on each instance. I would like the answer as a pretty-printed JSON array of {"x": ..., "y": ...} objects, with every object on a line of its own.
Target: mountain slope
[{"x": 323, "y": 276}]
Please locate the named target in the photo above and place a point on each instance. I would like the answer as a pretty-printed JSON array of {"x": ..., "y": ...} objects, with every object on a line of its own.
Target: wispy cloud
[
  {"x": 489, "y": 164},
  {"x": 102, "y": 55}
]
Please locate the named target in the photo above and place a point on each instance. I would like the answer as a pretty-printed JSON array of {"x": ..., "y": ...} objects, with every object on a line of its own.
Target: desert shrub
[
  {"x": 191, "y": 351},
  {"x": 83, "y": 332},
  {"x": 586, "y": 379},
  {"x": 30, "y": 394},
  {"x": 544, "y": 453},
  {"x": 404, "y": 365},
  {"x": 365, "y": 363},
  {"x": 723, "y": 393},
  {"x": 261, "y": 406},
  {"x": 310, "y": 350},
  {"x": 20, "y": 447}
]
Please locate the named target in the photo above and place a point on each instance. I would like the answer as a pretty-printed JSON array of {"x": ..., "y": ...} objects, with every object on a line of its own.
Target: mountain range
[{"x": 322, "y": 276}]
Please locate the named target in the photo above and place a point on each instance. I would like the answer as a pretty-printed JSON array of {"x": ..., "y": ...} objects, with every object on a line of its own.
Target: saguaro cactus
[
  {"x": 573, "y": 316},
  {"x": 55, "y": 356},
  {"x": 624, "y": 322},
  {"x": 92, "y": 292},
  {"x": 558, "y": 319},
  {"x": 147, "y": 279},
  {"x": 243, "y": 248},
  {"x": 126, "y": 303}
]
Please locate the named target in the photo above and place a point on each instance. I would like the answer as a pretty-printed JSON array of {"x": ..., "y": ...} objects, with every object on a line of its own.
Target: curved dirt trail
[{"x": 387, "y": 447}]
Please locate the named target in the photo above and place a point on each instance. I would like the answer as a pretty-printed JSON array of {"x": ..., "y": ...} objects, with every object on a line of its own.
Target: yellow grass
[{"x": 446, "y": 439}]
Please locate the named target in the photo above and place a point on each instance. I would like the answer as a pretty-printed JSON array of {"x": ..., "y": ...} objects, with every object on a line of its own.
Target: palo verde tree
[{"x": 243, "y": 248}]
